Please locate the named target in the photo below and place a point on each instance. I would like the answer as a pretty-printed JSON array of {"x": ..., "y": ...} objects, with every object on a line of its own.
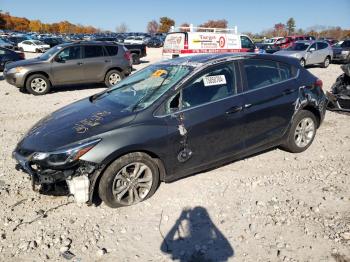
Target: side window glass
[
  {"x": 261, "y": 73},
  {"x": 245, "y": 42},
  {"x": 213, "y": 84},
  {"x": 69, "y": 53},
  {"x": 93, "y": 51},
  {"x": 313, "y": 46},
  {"x": 112, "y": 50}
]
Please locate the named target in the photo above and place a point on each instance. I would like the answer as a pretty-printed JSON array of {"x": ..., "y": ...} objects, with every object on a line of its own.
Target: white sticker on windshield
[{"x": 214, "y": 80}]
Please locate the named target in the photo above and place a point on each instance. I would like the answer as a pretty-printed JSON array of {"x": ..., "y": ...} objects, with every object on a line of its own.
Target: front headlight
[
  {"x": 64, "y": 156},
  {"x": 345, "y": 52},
  {"x": 19, "y": 69}
]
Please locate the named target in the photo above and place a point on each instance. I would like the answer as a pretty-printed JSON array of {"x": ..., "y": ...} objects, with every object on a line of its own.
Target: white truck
[{"x": 184, "y": 41}]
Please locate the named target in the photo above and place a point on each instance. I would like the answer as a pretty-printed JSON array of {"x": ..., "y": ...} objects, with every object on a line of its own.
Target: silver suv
[
  {"x": 71, "y": 63},
  {"x": 310, "y": 52}
]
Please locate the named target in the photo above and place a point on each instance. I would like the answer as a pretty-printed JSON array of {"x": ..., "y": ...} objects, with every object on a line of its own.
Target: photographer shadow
[{"x": 194, "y": 237}]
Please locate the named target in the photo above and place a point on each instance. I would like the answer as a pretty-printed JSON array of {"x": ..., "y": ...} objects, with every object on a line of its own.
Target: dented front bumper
[
  {"x": 77, "y": 178},
  {"x": 338, "y": 102}
]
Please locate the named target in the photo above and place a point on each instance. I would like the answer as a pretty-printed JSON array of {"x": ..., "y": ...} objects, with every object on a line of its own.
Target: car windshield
[
  {"x": 38, "y": 42},
  {"x": 338, "y": 44},
  {"x": 49, "y": 53},
  {"x": 141, "y": 89},
  {"x": 299, "y": 46}
]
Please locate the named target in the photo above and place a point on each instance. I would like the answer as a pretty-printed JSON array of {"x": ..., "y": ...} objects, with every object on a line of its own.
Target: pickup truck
[{"x": 137, "y": 51}]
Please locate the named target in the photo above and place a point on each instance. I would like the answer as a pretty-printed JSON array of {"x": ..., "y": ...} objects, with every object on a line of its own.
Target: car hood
[
  {"x": 337, "y": 50},
  {"x": 25, "y": 62},
  {"x": 78, "y": 121},
  {"x": 289, "y": 53}
]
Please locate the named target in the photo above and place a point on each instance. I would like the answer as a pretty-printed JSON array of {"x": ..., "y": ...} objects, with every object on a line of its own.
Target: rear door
[
  {"x": 67, "y": 66},
  {"x": 270, "y": 92},
  {"x": 209, "y": 123},
  {"x": 323, "y": 51},
  {"x": 95, "y": 63}
]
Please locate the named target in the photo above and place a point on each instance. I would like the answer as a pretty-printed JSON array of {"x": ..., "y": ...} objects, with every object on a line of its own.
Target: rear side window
[
  {"x": 93, "y": 51},
  {"x": 112, "y": 50},
  {"x": 261, "y": 73},
  {"x": 321, "y": 45}
]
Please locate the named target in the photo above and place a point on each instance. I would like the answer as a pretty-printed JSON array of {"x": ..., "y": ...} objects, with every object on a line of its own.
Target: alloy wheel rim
[
  {"x": 39, "y": 85},
  {"x": 114, "y": 79},
  {"x": 132, "y": 183},
  {"x": 304, "y": 132},
  {"x": 302, "y": 63}
]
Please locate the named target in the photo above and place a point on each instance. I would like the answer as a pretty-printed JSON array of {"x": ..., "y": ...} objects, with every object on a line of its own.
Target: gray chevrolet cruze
[{"x": 71, "y": 63}]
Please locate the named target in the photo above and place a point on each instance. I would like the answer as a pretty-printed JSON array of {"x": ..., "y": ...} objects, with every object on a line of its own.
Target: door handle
[
  {"x": 288, "y": 91},
  {"x": 234, "y": 109},
  {"x": 79, "y": 63},
  {"x": 107, "y": 61}
]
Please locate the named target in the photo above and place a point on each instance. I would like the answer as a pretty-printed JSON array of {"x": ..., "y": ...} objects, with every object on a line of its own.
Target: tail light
[
  {"x": 318, "y": 83},
  {"x": 186, "y": 42},
  {"x": 127, "y": 55}
]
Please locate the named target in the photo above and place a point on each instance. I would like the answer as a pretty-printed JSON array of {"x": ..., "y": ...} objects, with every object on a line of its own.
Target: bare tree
[
  {"x": 152, "y": 27},
  {"x": 122, "y": 28}
]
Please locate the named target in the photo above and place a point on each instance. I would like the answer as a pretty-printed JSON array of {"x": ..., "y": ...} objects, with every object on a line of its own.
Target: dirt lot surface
[{"x": 275, "y": 206}]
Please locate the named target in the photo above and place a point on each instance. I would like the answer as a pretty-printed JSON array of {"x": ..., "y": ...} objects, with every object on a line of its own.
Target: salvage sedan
[{"x": 173, "y": 119}]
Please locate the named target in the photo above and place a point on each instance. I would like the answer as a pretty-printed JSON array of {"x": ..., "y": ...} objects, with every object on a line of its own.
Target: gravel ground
[{"x": 275, "y": 206}]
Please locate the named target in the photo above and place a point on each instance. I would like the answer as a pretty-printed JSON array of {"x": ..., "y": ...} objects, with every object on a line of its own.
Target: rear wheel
[
  {"x": 302, "y": 62},
  {"x": 113, "y": 77},
  {"x": 129, "y": 180},
  {"x": 21, "y": 49},
  {"x": 38, "y": 85},
  {"x": 302, "y": 132},
  {"x": 326, "y": 62}
]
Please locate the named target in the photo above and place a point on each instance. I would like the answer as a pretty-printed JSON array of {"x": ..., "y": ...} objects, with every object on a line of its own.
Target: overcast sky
[{"x": 252, "y": 15}]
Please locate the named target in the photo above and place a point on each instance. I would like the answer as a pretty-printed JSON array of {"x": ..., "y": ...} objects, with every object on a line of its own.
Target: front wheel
[
  {"x": 302, "y": 62},
  {"x": 129, "y": 180},
  {"x": 302, "y": 132},
  {"x": 113, "y": 77},
  {"x": 135, "y": 59},
  {"x": 38, "y": 85}
]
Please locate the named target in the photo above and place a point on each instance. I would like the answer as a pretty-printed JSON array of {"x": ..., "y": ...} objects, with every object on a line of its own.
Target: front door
[
  {"x": 208, "y": 125},
  {"x": 67, "y": 66}
]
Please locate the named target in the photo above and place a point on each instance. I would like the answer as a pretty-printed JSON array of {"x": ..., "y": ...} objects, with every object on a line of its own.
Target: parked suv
[
  {"x": 310, "y": 52},
  {"x": 173, "y": 119},
  {"x": 341, "y": 51},
  {"x": 70, "y": 63}
]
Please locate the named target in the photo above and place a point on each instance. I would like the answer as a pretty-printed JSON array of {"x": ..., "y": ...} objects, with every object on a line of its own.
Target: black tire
[
  {"x": 291, "y": 144},
  {"x": 326, "y": 62},
  {"x": 302, "y": 62},
  {"x": 21, "y": 49},
  {"x": 113, "y": 77},
  {"x": 38, "y": 84},
  {"x": 135, "y": 59},
  {"x": 110, "y": 176}
]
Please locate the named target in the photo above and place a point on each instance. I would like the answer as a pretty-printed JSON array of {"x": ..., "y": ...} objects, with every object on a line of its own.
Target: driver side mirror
[
  {"x": 59, "y": 59},
  {"x": 312, "y": 49}
]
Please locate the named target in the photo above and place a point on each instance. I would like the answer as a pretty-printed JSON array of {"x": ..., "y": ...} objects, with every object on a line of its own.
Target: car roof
[
  {"x": 89, "y": 43},
  {"x": 203, "y": 59}
]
